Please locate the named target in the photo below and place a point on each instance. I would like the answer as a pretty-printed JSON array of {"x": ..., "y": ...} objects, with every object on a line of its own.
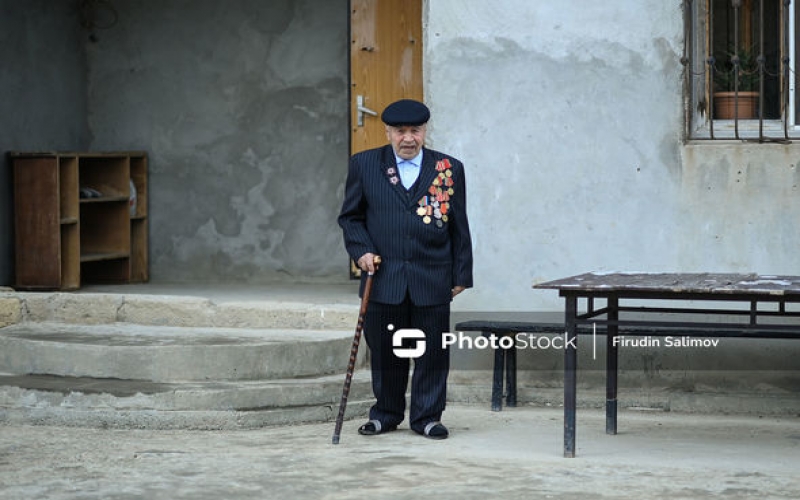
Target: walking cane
[{"x": 353, "y": 353}]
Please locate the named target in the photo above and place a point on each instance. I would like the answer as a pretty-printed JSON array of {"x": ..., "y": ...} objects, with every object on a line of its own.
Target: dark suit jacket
[{"x": 425, "y": 260}]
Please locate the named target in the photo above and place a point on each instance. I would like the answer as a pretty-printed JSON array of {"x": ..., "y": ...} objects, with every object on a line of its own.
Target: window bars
[{"x": 737, "y": 60}]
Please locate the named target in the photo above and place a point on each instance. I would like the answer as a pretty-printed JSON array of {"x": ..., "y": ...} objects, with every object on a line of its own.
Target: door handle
[{"x": 361, "y": 110}]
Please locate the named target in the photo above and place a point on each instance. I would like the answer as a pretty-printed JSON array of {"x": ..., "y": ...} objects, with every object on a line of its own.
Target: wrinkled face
[{"x": 407, "y": 140}]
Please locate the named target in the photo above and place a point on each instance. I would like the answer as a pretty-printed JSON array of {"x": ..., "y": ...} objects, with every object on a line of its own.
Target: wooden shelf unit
[{"x": 64, "y": 239}]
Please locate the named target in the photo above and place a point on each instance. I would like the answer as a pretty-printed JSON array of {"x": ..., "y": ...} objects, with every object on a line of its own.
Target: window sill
[{"x": 748, "y": 130}]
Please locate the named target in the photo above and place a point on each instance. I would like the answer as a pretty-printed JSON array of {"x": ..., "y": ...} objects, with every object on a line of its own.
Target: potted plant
[{"x": 736, "y": 94}]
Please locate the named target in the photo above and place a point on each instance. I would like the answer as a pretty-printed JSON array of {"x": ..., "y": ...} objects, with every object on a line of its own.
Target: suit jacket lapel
[{"x": 391, "y": 173}]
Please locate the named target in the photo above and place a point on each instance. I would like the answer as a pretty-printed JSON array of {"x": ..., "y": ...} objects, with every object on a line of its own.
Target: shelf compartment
[
  {"x": 115, "y": 270},
  {"x": 107, "y": 174},
  {"x": 105, "y": 228},
  {"x": 105, "y": 242}
]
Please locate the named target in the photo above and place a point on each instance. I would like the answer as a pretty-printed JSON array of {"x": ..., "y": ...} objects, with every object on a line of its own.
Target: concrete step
[
  {"x": 174, "y": 361},
  {"x": 85, "y": 401},
  {"x": 172, "y": 310},
  {"x": 168, "y": 354}
]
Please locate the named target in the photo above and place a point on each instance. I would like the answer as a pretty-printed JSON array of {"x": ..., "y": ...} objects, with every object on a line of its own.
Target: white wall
[{"x": 568, "y": 116}]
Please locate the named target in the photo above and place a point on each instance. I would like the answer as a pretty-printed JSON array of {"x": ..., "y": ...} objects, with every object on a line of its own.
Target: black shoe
[
  {"x": 375, "y": 427},
  {"x": 435, "y": 430}
]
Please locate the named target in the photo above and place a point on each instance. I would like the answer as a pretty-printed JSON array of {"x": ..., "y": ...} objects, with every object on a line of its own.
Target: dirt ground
[{"x": 516, "y": 453}]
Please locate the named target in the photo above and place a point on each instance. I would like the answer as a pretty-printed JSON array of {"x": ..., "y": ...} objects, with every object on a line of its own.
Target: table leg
[
  {"x": 511, "y": 376},
  {"x": 612, "y": 366},
  {"x": 570, "y": 380},
  {"x": 497, "y": 379}
]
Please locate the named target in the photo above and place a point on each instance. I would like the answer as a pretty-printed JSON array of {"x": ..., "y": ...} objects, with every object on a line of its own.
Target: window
[{"x": 740, "y": 70}]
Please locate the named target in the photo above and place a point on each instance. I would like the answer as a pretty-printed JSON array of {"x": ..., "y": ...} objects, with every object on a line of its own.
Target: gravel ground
[{"x": 512, "y": 454}]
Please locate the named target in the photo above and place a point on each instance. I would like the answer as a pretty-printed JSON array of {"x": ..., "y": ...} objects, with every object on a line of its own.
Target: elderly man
[{"x": 407, "y": 204}]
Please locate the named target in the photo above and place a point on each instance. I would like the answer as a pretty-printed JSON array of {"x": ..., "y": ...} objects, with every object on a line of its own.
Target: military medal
[{"x": 440, "y": 191}]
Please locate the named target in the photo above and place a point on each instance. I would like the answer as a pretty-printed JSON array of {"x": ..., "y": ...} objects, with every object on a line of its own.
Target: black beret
[{"x": 405, "y": 112}]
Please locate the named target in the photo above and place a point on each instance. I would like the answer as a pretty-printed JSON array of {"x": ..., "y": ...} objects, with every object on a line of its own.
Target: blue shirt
[{"x": 409, "y": 169}]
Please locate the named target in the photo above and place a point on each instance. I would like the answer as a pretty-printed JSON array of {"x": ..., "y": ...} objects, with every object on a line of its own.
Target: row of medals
[{"x": 437, "y": 203}]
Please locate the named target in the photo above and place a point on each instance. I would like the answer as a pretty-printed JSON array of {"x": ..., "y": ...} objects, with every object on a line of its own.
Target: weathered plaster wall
[
  {"x": 740, "y": 206},
  {"x": 568, "y": 117},
  {"x": 243, "y": 108},
  {"x": 43, "y": 84}
]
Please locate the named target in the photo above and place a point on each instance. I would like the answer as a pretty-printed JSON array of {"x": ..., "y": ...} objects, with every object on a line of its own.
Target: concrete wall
[
  {"x": 569, "y": 121},
  {"x": 568, "y": 118},
  {"x": 243, "y": 108},
  {"x": 43, "y": 84}
]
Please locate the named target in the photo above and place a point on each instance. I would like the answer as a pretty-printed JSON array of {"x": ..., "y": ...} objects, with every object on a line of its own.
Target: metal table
[{"x": 629, "y": 300}]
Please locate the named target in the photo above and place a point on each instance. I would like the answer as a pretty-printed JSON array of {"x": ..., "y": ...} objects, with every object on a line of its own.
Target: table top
[{"x": 698, "y": 283}]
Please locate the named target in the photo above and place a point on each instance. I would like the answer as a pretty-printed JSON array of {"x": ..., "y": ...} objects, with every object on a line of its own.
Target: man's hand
[
  {"x": 367, "y": 262},
  {"x": 458, "y": 289}
]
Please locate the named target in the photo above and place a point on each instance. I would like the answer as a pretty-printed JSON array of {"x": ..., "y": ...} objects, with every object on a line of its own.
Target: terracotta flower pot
[{"x": 726, "y": 104}]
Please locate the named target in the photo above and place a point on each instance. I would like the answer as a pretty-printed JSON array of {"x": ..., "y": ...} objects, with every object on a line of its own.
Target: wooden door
[{"x": 385, "y": 63}]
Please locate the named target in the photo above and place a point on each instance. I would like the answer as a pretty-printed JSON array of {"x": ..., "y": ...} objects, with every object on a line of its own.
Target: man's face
[{"x": 407, "y": 140}]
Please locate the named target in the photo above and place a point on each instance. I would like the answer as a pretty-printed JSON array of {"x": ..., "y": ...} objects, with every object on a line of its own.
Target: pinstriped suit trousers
[{"x": 390, "y": 373}]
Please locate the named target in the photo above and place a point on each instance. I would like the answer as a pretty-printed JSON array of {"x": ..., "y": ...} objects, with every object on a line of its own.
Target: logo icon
[{"x": 408, "y": 334}]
